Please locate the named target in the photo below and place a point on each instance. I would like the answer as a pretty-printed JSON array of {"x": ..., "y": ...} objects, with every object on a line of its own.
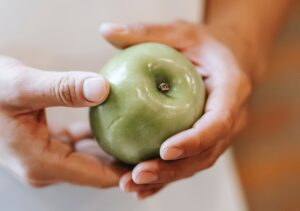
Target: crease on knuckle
[{"x": 64, "y": 90}]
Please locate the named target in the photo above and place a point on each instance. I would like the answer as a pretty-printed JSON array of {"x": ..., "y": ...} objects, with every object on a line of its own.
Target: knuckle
[
  {"x": 227, "y": 122},
  {"x": 64, "y": 89}
]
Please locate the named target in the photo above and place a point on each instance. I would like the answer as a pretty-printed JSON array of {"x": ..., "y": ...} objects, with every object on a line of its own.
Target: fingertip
[
  {"x": 178, "y": 146},
  {"x": 108, "y": 28},
  {"x": 171, "y": 153},
  {"x": 95, "y": 89},
  {"x": 124, "y": 181},
  {"x": 137, "y": 171}
]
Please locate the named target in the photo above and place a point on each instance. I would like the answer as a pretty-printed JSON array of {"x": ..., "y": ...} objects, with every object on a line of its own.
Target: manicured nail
[
  {"x": 95, "y": 89},
  {"x": 113, "y": 27},
  {"x": 172, "y": 153},
  {"x": 146, "y": 177}
]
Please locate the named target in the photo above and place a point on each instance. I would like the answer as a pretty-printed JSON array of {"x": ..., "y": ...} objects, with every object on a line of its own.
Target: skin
[
  {"x": 229, "y": 51},
  {"x": 39, "y": 154}
]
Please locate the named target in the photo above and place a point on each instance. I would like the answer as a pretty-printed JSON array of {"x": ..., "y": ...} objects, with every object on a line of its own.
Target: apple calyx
[{"x": 163, "y": 87}]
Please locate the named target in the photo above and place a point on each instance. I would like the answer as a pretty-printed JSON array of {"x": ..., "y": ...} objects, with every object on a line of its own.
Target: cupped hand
[
  {"x": 216, "y": 57},
  {"x": 40, "y": 156}
]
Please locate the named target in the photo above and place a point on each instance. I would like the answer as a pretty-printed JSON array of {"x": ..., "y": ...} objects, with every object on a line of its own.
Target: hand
[
  {"x": 40, "y": 156},
  {"x": 228, "y": 87}
]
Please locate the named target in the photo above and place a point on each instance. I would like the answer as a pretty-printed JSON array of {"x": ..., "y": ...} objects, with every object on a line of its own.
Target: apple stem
[{"x": 164, "y": 87}]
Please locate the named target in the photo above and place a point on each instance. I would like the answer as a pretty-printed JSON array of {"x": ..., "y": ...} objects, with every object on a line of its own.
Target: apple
[{"x": 155, "y": 92}]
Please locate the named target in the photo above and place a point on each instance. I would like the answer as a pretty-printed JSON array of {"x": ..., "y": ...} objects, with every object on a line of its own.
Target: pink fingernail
[
  {"x": 95, "y": 89},
  {"x": 146, "y": 177},
  {"x": 112, "y": 27},
  {"x": 172, "y": 153}
]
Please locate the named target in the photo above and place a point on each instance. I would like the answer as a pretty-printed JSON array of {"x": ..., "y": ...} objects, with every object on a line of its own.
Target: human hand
[
  {"x": 40, "y": 156},
  {"x": 216, "y": 57}
]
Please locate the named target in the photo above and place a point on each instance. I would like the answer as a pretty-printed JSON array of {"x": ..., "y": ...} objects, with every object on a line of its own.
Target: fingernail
[
  {"x": 172, "y": 153},
  {"x": 112, "y": 27},
  {"x": 95, "y": 89},
  {"x": 146, "y": 177},
  {"x": 124, "y": 187}
]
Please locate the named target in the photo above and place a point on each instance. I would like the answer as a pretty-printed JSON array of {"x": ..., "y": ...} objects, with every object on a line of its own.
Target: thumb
[
  {"x": 41, "y": 89},
  {"x": 177, "y": 34}
]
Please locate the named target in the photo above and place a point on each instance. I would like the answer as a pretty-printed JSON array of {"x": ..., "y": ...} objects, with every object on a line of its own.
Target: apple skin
[{"x": 138, "y": 117}]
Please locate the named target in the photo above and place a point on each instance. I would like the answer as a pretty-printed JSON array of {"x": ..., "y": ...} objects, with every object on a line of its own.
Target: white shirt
[{"x": 63, "y": 35}]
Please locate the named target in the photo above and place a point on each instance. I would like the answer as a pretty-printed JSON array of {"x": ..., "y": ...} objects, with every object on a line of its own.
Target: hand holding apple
[
  {"x": 33, "y": 152},
  {"x": 228, "y": 87},
  {"x": 155, "y": 92}
]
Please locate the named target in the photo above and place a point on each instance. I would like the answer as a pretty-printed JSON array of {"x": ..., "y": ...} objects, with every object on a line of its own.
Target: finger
[
  {"x": 160, "y": 171},
  {"x": 212, "y": 127},
  {"x": 223, "y": 104},
  {"x": 172, "y": 34},
  {"x": 126, "y": 184},
  {"x": 40, "y": 184},
  {"x": 141, "y": 195},
  {"x": 36, "y": 89},
  {"x": 164, "y": 172},
  {"x": 30, "y": 181},
  {"x": 63, "y": 165}
]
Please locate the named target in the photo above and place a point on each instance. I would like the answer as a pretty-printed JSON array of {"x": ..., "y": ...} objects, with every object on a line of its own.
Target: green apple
[{"x": 155, "y": 92}]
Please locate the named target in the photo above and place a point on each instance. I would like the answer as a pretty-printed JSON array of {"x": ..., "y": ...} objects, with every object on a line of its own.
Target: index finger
[{"x": 172, "y": 34}]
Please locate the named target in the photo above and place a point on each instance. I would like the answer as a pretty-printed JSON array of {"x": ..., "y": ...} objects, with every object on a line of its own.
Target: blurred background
[{"x": 268, "y": 151}]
